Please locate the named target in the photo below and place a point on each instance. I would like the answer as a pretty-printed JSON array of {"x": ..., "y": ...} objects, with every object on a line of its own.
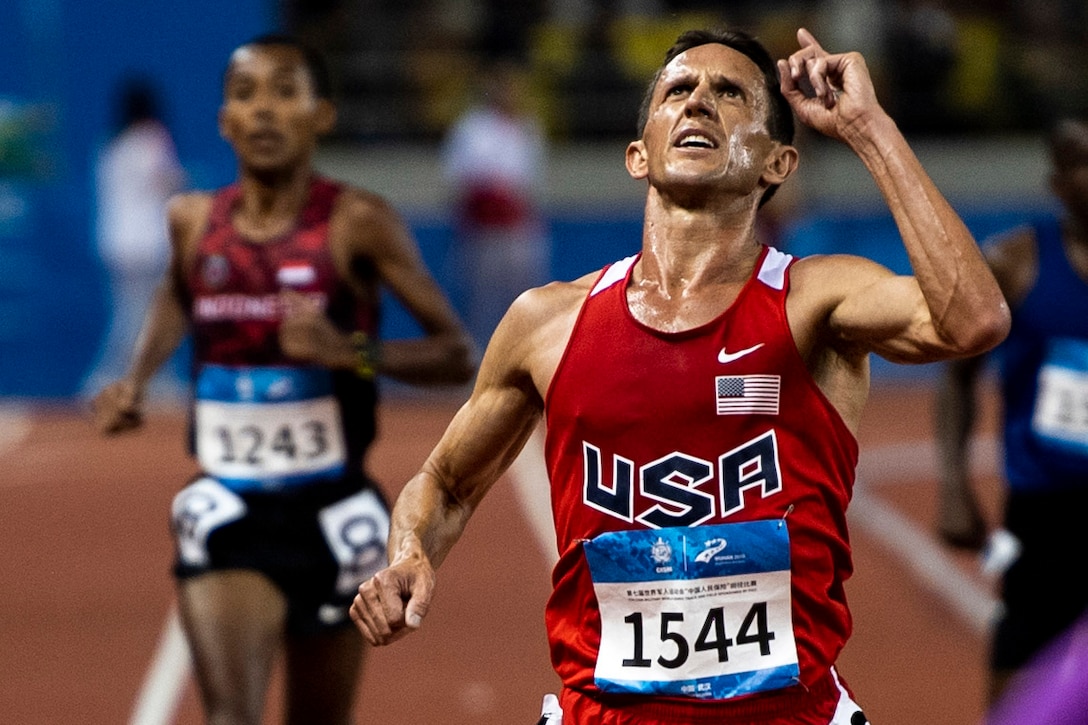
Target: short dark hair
[
  {"x": 314, "y": 61},
  {"x": 138, "y": 102},
  {"x": 780, "y": 124}
]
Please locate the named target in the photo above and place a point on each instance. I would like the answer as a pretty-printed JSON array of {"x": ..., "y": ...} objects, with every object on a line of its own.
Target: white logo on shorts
[{"x": 199, "y": 509}]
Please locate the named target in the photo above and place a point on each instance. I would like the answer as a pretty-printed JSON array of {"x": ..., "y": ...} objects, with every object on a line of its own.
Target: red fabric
[
  {"x": 494, "y": 205},
  {"x": 235, "y": 282},
  {"x": 639, "y": 395}
]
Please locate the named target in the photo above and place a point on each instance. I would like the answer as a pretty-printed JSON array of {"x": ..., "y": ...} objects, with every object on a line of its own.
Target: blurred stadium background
[{"x": 971, "y": 82}]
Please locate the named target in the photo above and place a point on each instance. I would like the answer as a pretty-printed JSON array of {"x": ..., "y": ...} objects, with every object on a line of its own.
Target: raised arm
[{"x": 952, "y": 306}]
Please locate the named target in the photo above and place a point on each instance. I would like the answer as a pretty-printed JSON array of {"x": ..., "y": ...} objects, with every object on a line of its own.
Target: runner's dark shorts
[
  {"x": 317, "y": 542},
  {"x": 1043, "y": 591}
]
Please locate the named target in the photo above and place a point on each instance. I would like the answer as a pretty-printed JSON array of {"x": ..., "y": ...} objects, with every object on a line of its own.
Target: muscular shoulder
[
  {"x": 537, "y": 306},
  {"x": 820, "y": 282},
  {"x": 533, "y": 334},
  {"x": 364, "y": 225},
  {"x": 189, "y": 209},
  {"x": 362, "y": 205},
  {"x": 188, "y": 217},
  {"x": 362, "y": 219},
  {"x": 828, "y": 295}
]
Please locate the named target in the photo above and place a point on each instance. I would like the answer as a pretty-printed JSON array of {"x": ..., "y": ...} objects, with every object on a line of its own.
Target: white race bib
[
  {"x": 702, "y": 612},
  {"x": 268, "y": 428},
  {"x": 1060, "y": 418}
]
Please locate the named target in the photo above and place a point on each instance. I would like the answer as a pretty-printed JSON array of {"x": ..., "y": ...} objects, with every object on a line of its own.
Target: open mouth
[{"x": 695, "y": 140}]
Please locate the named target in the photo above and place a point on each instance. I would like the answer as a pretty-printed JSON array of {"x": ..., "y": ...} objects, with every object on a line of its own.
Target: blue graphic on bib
[
  {"x": 647, "y": 554},
  {"x": 262, "y": 384},
  {"x": 702, "y": 612}
]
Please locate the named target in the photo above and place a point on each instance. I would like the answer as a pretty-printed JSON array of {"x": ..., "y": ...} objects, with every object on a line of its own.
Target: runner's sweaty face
[
  {"x": 708, "y": 121},
  {"x": 271, "y": 114}
]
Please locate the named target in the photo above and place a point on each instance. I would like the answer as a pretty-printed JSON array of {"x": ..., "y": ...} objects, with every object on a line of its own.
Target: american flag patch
[{"x": 741, "y": 394}]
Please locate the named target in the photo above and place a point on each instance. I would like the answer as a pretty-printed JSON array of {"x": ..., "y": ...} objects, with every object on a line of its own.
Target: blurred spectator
[
  {"x": 507, "y": 27},
  {"x": 321, "y": 23},
  {"x": 494, "y": 159},
  {"x": 595, "y": 91},
  {"x": 136, "y": 173},
  {"x": 1047, "y": 58}
]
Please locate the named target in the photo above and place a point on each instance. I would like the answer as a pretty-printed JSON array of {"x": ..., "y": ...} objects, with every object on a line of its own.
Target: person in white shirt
[
  {"x": 136, "y": 173},
  {"x": 494, "y": 157}
]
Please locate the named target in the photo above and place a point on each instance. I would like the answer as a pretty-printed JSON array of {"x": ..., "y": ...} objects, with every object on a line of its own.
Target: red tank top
[
  {"x": 235, "y": 283},
  {"x": 715, "y": 425},
  {"x": 235, "y": 312}
]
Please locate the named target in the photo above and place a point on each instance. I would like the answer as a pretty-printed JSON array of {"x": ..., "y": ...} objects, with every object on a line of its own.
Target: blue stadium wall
[{"x": 60, "y": 61}]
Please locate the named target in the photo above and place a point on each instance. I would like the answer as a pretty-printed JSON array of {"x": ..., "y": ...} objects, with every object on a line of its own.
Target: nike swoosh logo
[{"x": 728, "y": 357}]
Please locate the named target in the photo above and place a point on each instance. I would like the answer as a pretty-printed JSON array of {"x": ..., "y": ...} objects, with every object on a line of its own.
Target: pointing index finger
[{"x": 807, "y": 39}]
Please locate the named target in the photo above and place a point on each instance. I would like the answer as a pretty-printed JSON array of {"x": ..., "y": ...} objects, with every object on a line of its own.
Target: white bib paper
[
  {"x": 702, "y": 612},
  {"x": 268, "y": 428}
]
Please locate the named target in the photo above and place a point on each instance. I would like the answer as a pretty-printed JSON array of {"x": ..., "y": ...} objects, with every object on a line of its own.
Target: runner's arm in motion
[
  {"x": 370, "y": 238},
  {"x": 952, "y": 305},
  {"x": 480, "y": 443},
  {"x": 959, "y": 517},
  {"x": 119, "y": 406}
]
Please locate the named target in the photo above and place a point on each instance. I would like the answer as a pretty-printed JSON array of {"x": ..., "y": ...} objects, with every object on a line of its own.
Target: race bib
[
  {"x": 268, "y": 428},
  {"x": 696, "y": 612},
  {"x": 1060, "y": 419}
]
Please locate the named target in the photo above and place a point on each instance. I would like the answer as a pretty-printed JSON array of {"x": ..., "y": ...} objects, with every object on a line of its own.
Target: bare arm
[
  {"x": 959, "y": 518},
  {"x": 366, "y": 233},
  {"x": 118, "y": 407},
  {"x": 952, "y": 306},
  {"x": 443, "y": 355},
  {"x": 480, "y": 443}
]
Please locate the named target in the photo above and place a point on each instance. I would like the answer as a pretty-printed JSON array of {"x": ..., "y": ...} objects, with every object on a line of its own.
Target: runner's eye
[{"x": 240, "y": 91}]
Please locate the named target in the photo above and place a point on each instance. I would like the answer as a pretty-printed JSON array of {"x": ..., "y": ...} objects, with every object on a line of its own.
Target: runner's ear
[
  {"x": 780, "y": 164},
  {"x": 636, "y": 160},
  {"x": 325, "y": 119}
]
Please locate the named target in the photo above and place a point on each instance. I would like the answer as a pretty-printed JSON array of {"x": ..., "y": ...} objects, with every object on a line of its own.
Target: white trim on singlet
[
  {"x": 773, "y": 271},
  {"x": 614, "y": 274}
]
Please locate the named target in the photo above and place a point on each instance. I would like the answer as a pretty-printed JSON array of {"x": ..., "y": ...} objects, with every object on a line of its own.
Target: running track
[{"x": 86, "y": 599}]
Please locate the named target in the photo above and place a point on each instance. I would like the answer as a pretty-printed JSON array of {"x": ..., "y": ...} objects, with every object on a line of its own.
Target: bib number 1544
[{"x": 712, "y": 636}]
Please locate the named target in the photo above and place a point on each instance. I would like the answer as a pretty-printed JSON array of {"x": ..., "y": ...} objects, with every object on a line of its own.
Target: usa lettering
[{"x": 686, "y": 490}]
